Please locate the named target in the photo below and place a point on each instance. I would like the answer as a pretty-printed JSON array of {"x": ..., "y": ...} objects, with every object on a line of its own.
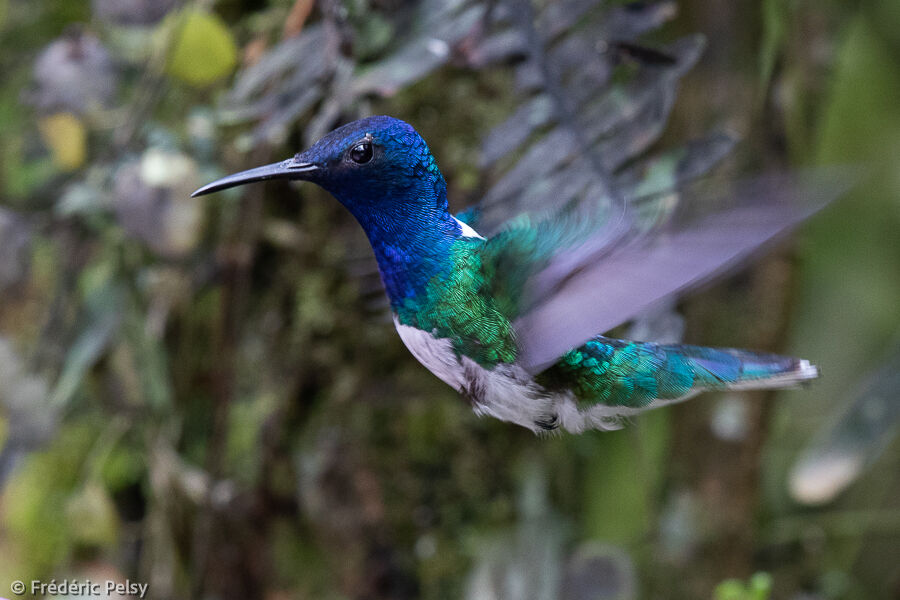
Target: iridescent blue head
[{"x": 381, "y": 169}]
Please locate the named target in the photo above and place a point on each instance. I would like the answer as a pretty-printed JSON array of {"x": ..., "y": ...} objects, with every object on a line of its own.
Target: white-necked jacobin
[{"x": 512, "y": 322}]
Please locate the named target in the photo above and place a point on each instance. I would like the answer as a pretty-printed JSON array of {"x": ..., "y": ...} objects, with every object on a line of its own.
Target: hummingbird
[{"x": 514, "y": 321}]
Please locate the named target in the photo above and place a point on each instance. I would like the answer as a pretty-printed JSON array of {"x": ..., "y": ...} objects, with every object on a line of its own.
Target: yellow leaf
[
  {"x": 66, "y": 137},
  {"x": 202, "y": 50}
]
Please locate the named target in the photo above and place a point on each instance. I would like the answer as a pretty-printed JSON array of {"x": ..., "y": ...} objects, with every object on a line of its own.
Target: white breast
[
  {"x": 435, "y": 353},
  {"x": 505, "y": 392}
]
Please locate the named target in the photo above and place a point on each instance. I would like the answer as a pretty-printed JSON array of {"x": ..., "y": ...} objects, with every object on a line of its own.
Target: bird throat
[{"x": 413, "y": 243}]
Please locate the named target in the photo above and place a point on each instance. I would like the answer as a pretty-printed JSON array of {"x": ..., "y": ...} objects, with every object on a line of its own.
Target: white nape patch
[
  {"x": 467, "y": 231},
  {"x": 507, "y": 392}
]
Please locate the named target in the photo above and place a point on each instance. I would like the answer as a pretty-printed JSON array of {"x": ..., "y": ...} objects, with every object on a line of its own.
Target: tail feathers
[
  {"x": 715, "y": 368},
  {"x": 633, "y": 376}
]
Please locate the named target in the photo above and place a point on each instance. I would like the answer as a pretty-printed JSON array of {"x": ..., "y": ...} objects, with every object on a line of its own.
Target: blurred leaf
[
  {"x": 150, "y": 361},
  {"x": 104, "y": 306},
  {"x": 248, "y": 420},
  {"x": 203, "y": 49},
  {"x": 85, "y": 198},
  {"x": 666, "y": 171},
  {"x": 124, "y": 466},
  {"x": 28, "y": 419},
  {"x": 23, "y": 396},
  {"x": 375, "y": 33},
  {"x": 589, "y": 113},
  {"x": 82, "y": 355},
  {"x": 66, "y": 137},
  {"x": 93, "y": 517},
  {"x": 20, "y": 175},
  {"x": 759, "y": 587},
  {"x": 15, "y": 254},
  {"x": 839, "y": 453},
  {"x": 75, "y": 73},
  {"x": 34, "y": 504},
  {"x": 730, "y": 589},
  {"x": 420, "y": 55},
  {"x": 775, "y": 28},
  {"x": 279, "y": 89}
]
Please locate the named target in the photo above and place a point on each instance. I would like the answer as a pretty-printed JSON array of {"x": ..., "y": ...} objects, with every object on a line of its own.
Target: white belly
[
  {"x": 507, "y": 392},
  {"x": 435, "y": 353}
]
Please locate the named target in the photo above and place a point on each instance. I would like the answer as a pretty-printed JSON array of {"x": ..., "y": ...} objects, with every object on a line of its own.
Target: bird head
[{"x": 378, "y": 164}]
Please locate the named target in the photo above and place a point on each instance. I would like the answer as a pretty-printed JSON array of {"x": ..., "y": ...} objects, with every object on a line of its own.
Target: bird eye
[{"x": 362, "y": 153}]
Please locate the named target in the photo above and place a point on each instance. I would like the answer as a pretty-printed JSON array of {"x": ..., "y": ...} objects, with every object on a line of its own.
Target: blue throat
[
  {"x": 410, "y": 230},
  {"x": 410, "y": 252}
]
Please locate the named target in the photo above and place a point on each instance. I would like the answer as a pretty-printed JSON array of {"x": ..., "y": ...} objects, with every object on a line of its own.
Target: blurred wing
[{"x": 584, "y": 291}]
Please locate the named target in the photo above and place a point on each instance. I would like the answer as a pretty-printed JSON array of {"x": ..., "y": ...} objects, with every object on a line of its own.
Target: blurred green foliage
[
  {"x": 206, "y": 396},
  {"x": 201, "y": 50},
  {"x": 757, "y": 588}
]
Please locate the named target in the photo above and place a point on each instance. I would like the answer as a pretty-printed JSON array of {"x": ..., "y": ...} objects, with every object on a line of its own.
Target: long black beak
[{"x": 291, "y": 168}]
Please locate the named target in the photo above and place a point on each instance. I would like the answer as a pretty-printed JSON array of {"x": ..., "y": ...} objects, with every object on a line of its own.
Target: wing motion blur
[{"x": 584, "y": 290}]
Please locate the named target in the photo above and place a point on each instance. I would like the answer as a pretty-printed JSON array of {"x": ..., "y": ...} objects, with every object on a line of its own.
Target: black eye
[{"x": 362, "y": 153}]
